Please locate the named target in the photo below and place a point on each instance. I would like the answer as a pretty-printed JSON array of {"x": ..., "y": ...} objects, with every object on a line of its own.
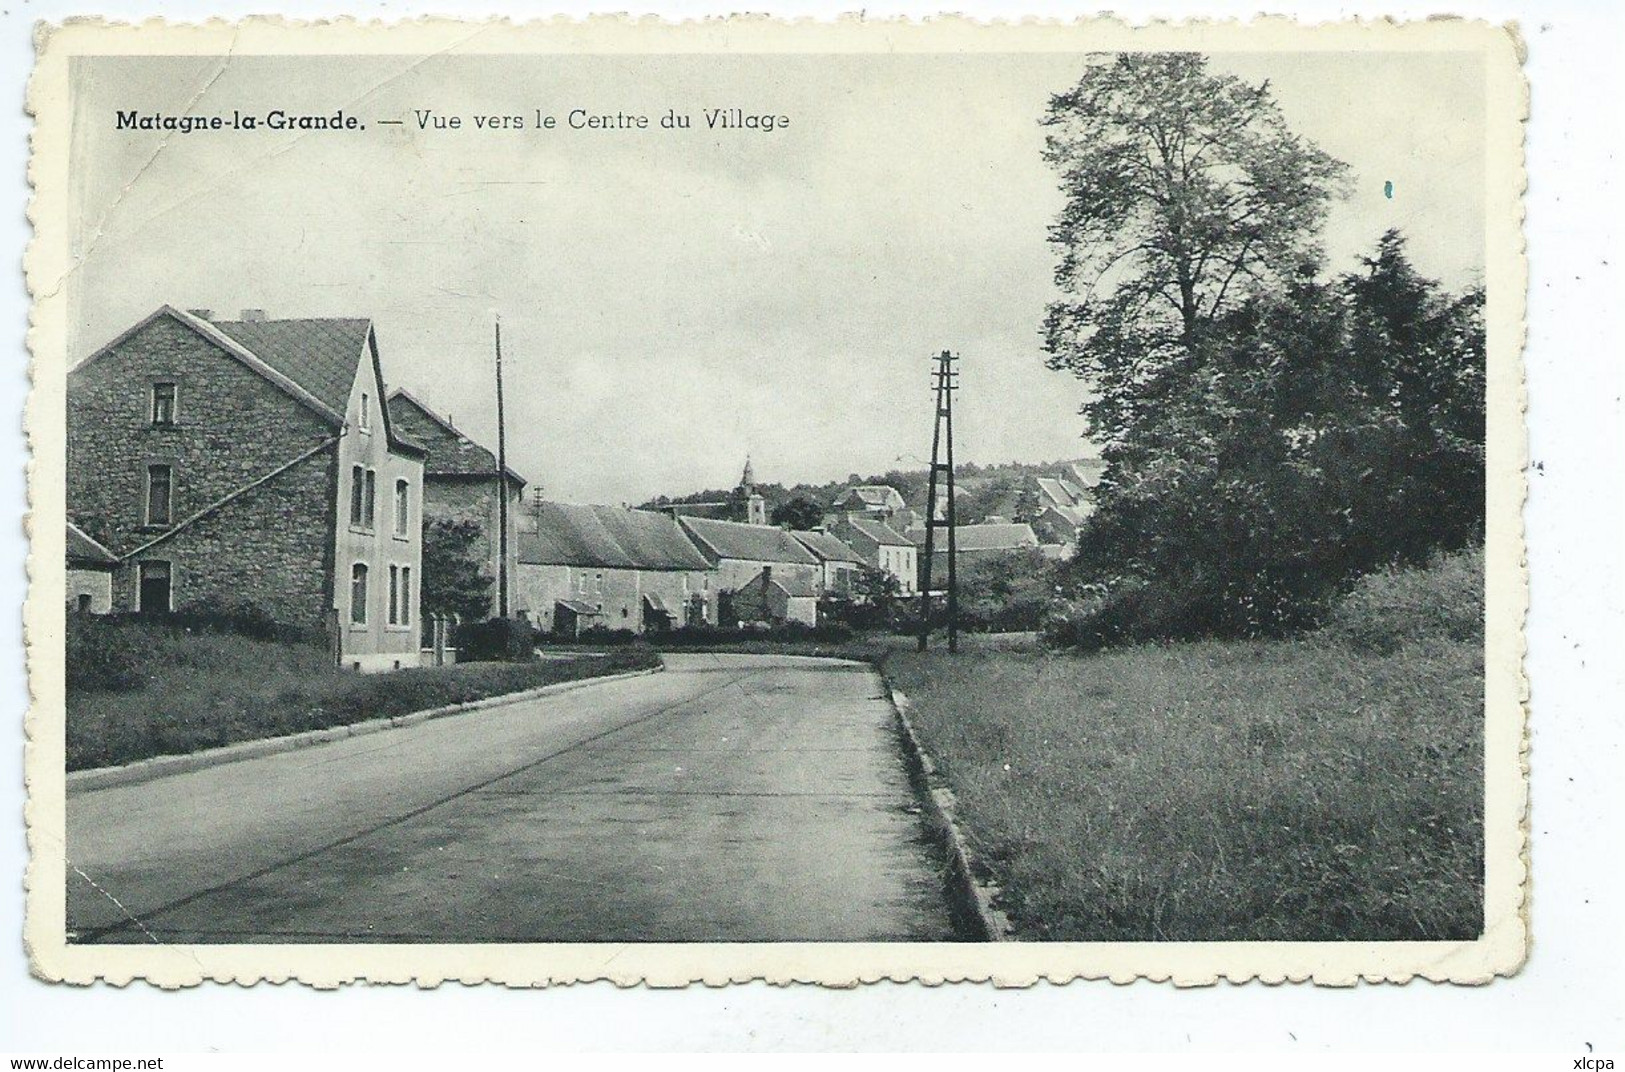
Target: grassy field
[
  {"x": 1324, "y": 788},
  {"x": 154, "y": 691}
]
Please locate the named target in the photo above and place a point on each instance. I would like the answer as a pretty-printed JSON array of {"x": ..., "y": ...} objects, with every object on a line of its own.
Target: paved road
[{"x": 730, "y": 798}]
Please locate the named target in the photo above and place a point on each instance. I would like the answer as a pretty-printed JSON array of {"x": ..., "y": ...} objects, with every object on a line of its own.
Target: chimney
[
  {"x": 254, "y": 315},
  {"x": 767, "y": 576},
  {"x": 202, "y": 314}
]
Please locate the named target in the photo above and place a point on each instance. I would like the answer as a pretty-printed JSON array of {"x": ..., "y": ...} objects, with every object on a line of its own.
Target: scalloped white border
[{"x": 1500, "y": 951}]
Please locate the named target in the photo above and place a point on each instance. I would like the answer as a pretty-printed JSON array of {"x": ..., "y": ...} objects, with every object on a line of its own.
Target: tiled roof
[
  {"x": 651, "y": 540},
  {"x": 319, "y": 355},
  {"x": 827, "y": 547},
  {"x": 753, "y": 543},
  {"x": 879, "y": 532},
  {"x": 1072, "y": 515},
  {"x": 610, "y": 537},
  {"x": 1056, "y": 491},
  {"x": 992, "y": 537},
  {"x": 1087, "y": 472},
  {"x": 451, "y": 453},
  {"x": 874, "y": 495},
  {"x": 81, "y": 548}
]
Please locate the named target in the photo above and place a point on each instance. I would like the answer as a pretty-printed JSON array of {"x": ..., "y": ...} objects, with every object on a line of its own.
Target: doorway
[{"x": 154, "y": 595}]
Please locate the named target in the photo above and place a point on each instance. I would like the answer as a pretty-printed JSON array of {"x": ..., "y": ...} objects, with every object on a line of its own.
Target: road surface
[{"x": 730, "y": 798}]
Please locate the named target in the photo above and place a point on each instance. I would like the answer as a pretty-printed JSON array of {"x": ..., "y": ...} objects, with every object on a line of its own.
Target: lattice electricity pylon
[{"x": 945, "y": 383}]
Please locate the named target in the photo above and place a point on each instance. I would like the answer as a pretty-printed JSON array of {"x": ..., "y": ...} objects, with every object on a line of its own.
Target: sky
[{"x": 673, "y": 301}]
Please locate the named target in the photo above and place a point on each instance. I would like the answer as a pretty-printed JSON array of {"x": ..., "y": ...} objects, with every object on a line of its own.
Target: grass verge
[
  {"x": 1325, "y": 788},
  {"x": 202, "y": 690}
]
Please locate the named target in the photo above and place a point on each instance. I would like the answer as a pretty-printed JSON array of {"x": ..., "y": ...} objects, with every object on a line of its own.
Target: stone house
[
  {"x": 610, "y": 567},
  {"x": 972, "y": 542},
  {"x": 881, "y": 502},
  {"x": 777, "y": 599},
  {"x": 882, "y": 547},
  {"x": 737, "y": 553},
  {"x": 840, "y": 563},
  {"x": 1064, "y": 505},
  {"x": 251, "y": 462},
  {"x": 460, "y": 484},
  {"x": 90, "y": 573}
]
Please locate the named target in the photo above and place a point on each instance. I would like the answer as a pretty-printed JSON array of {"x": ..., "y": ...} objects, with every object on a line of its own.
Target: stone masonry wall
[{"x": 273, "y": 546}]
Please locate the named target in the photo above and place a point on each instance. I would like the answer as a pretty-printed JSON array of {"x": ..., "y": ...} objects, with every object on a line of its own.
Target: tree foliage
[
  {"x": 1331, "y": 430},
  {"x": 1270, "y": 434},
  {"x": 799, "y": 513},
  {"x": 1186, "y": 195},
  {"x": 454, "y": 578},
  {"x": 1006, "y": 592}
]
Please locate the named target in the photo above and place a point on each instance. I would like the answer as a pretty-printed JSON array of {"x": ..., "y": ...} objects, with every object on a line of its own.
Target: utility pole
[
  {"x": 942, "y": 462},
  {"x": 502, "y": 488}
]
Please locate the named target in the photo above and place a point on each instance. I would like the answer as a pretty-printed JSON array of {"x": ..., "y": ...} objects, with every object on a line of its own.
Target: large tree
[
  {"x": 799, "y": 513},
  {"x": 1186, "y": 195}
]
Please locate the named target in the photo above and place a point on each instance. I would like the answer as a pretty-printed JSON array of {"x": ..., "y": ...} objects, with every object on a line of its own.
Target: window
[
  {"x": 160, "y": 494},
  {"x": 598, "y": 584},
  {"x": 400, "y": 595},
  {"x": 357, "y": 490},
  {"x": 358, "y": 594},
  {"x": 366, "y": 413},
  {"x": 403, "y": 506},
  {"x": 163, "y": 403},
  {"x": 370, "y": 503}
]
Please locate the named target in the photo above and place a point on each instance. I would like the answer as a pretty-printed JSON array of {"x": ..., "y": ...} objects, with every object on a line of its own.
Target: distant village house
[
  {"x": 882, "y": 547},
  {"x": 740, "y": 554},
  {"x": 610, "y": 567}
]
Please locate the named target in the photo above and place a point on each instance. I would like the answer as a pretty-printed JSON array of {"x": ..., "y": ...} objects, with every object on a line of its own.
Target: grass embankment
[
  {"x": 1322, "y": 788},
  {"x": 136, "y": 690}
]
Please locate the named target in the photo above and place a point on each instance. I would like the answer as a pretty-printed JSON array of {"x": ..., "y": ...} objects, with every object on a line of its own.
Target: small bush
[
  {"x": 597, "y": 636},
  {"x": 507, "y": 640},
  {"x": 1130, "y": 613},
  {"x": 1441, "y": 601},
  {"x": 789, "y": 632}
]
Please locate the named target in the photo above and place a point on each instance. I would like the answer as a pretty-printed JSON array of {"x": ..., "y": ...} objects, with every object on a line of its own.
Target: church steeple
[{"x": 755, "y": 505}]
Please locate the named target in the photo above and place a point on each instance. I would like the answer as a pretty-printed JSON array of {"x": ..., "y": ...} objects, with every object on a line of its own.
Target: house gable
[{"x": 227, "y": 345}]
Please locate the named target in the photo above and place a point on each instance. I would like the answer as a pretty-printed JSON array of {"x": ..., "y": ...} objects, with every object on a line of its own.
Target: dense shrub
[
  {"x": 1305, "y": 439},
  {"x": 104, "y": 654},
  {"x": 1443, "y": 601},
  {"x": 1005, "y": 593},
  {"x": 789, "y": 632},
  {"x": 240, "y": 618},
  {"x": 1131, "y": 612},
  {"x": 509, "y": 640},
  {"x": 118, "y": 652}
]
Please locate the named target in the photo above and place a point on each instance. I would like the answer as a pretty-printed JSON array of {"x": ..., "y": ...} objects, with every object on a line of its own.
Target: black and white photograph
[{"x": 1035, "y": 509}]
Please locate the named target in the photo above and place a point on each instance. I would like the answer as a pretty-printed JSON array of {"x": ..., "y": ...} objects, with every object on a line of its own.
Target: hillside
[{"x": 1006, "y": 489}]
